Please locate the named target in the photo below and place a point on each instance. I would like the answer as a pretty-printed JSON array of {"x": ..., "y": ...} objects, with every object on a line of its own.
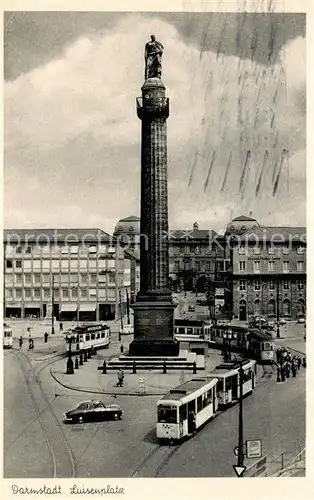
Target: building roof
[
  {"x": 130, "y": 218},
  {"x": 190, "y": 234},
  {"x": 53, "y": 236},
  {"x": 243, "y": 217},
  {"x": 276, "y": 234}
]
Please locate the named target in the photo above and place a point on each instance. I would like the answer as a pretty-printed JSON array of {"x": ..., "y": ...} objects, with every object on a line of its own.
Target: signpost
[{"x": 254, "y": 448}]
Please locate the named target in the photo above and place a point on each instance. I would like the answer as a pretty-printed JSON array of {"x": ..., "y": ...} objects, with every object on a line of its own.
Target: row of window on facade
[
  {"x": 286, "y": 284},
  {"x": 64, "y": 293},
  {"x": 272, "y": 249},
  {"x": 219, "y": 265},
  {"x": 189, "y": 249},
  {"x": 285, "y": 308},
  {"x": 62, "y": 249},
  {"x": 56, "y": 265},
  {"x": 38, "y": 278},
  {"x": 271, "y": 266}
]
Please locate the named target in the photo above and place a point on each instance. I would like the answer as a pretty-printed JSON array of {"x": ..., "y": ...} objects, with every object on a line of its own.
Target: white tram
[
  {"x": 86, "y": 337},
  {"x": 7, "y": 337},
  {"x": 186, "y": 408},
  {"x": 228, "y": 375}
]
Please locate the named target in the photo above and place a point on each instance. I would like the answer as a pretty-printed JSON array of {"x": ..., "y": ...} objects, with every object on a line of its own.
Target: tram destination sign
[{"x": 254, "y": 448}]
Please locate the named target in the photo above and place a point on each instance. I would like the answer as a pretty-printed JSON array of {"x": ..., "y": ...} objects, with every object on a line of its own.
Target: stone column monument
[{"x": 153, "y": 308}]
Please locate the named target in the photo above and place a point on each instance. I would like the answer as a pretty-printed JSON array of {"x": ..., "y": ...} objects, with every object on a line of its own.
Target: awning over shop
[
  {"x": 68, "y": 308},
  {"x": 87, "y": 307}
]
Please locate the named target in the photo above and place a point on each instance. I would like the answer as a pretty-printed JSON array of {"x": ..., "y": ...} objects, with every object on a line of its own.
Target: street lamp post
[
  {"x": 121, "y": 315},
  {"x": 53, "y": 304},
  {"x": 277, "y": 308},
  {"x": 240, "y": 436}
]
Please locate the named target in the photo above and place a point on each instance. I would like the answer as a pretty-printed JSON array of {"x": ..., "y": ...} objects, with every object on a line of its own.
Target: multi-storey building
[
  {"x": 84, "y": 272},
  {"x": 269, "y": 271}
]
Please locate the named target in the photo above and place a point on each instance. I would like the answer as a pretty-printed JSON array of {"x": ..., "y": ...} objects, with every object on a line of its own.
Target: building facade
[
  {"x": 84, "y": 272},
  {"x": 269, "y": 272}
]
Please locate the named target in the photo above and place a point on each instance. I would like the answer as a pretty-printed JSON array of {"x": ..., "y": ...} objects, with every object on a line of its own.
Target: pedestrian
[
  {"x": 120, "y": 378},
  {"x": 21, "y": 342},
  {"x": 61, "y": 326},
  {"x": 294, "y": 369},
  {"x": 121, "y": 349},
  {"x": 288, "y": 369},
  {"x": 30, "y": 343},
  {"x": 46, "y": 337},
  {"x": 299, "y": 362}
]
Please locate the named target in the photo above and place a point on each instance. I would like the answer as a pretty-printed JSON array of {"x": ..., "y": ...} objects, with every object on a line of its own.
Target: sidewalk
[{"x": 144, "y": 383}]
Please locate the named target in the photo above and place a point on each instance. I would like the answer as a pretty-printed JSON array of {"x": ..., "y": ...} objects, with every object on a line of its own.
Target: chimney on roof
[{"x": 195, "y": 226}]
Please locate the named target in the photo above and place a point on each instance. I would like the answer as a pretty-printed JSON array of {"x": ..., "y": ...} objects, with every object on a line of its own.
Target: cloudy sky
[{"x": 236, "y": 131}]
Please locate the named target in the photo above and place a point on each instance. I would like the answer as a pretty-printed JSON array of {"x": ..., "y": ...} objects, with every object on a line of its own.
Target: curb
[{"x": 92, "y": 391}]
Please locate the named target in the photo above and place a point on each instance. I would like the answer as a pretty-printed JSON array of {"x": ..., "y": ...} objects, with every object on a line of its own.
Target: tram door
[
  {"x": 191, "y": 416},
  {"x": 234, "y": 386}
]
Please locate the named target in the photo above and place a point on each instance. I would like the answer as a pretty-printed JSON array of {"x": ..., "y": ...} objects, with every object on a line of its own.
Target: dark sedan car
[{"x": 92, "y": 411}]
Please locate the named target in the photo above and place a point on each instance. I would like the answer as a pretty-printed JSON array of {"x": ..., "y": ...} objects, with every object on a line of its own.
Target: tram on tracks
[
  {"x": 85, "y": 337},
  {"x": 188, "y": 329},
  {"x": 7, "y": 337},
  {"x": 228, "y": 386},
  {"x": 250, "y": 341},
  {"x": 186, "y": 408}
]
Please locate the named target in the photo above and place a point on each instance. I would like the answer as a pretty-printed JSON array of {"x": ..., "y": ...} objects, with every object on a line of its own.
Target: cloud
[{"x": 72, "y": 137}]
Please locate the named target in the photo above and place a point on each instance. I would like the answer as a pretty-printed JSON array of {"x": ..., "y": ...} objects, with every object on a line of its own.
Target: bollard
[
  {"x": 76, "y": 363},
  {"x": 304, "y": 363},
  {"x": 194, "y": 367},
  {"x": 89, "y": 353},
  {"x": 70, "y": 369},
  {"x": 104, "y": 367},
  {"x": 85, "y": 356},
  {"x": 134, "y": 367},
  {"x": 165, "y": 367},
  {"x": 81, "y": 359},
  {"x": 121, "y": 349}
]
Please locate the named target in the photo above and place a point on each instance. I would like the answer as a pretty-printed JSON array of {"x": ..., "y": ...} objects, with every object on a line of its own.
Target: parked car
[
  {"x": 191, "y": 308},
  {"x": 127, "y": 330},
  {"x": 92, "y": 411},
  {"x": 301, "y": 319},
  {"x": 282, "y": 321}
]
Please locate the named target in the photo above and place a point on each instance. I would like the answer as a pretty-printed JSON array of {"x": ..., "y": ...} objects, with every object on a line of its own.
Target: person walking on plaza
[
  {"x": 299, "y": 362},
  {"x": 30, "y": 343},
  {"x": 46, "y": 337},
  {"x": 21, "y": 342},
  {"x": 61, "y": 326},
  {"x": 120, "y": 378}
]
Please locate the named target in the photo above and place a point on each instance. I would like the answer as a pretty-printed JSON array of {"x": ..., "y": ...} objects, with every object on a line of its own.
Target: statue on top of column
[{"x": 153, "y": 55}]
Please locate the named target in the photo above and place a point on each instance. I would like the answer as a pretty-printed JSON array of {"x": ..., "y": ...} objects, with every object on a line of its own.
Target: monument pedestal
[{"x": 153, "y": 328}]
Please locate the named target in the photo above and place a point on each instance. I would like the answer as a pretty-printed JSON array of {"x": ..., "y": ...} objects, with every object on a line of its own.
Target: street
[{"x": 275, "y": 413}]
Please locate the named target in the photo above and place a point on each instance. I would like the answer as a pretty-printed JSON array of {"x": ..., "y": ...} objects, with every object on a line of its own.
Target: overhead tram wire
[
  {"x": 226, "y": 173},
  {"x": 209, "y": 170}
]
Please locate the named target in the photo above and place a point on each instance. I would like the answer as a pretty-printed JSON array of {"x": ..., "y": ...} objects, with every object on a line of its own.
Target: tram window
[
  {"x": 182, "y": 413},
  {"x": 266, "y": 346},
  {"x": 87, "y": 337},
  {"x": 220, "y": 385},
  {"x": 92, "y": 336},
  {"x": 199, "y": 403},
  {"x": 247, "y": 375},
  {"x": 234, "y": 335},
  {"x": 228, "y": 384},
  {"x": 102, "y": 334},
  {"x": 190, "y": 331},
  {"x": 98, "y": 336},
  {"x": 181, "y": 330},
  {"x": 167, "y": 414}
]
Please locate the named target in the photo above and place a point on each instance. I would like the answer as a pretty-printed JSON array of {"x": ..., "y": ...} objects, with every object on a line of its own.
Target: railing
[
  {"x": 277, "y": 466},
  {"x": 157, "y": 105}
]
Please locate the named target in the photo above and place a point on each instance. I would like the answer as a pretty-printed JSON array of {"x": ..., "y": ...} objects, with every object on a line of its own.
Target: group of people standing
[{"x": 287, "y": 364}]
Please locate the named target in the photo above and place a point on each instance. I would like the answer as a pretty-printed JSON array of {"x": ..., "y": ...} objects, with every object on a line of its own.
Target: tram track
[
  {"x": 153, "y": 463},
  {"x": 63, "y": 463}
]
